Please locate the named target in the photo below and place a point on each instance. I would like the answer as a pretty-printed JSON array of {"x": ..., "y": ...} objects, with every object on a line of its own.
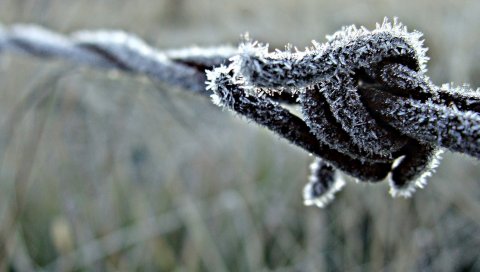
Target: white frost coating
[
  {"x": 216, "y": 100},
  {"x": 246, "y": 51},
  {"x": 116, "y": 50},
  {"x": 327, "y": 197},
  {"x": 429, "y": 121},
  {"x": 328, "y": 68},
  {"x": 420, "y": 182},
  {"x": 41, "y": 42},
  {"x": 286, "y": 70},
  {"x": 464, "y": 90},
  {"x": 324, "y": 199},
  {"x": 127, "y": 48},
  {"x": 322, "y": 78},
  {"x": 447, "y": 116},
  {"x": 205, "y": 56},
  {"x": 113, "y": 38},
  {"x": 214, "y": 75},
  {"x": 186, "y": 53},
  {"x": 217, "y": 81},
  {"x": 396, "y": 28},
  {"x": 42, "y": 37}
]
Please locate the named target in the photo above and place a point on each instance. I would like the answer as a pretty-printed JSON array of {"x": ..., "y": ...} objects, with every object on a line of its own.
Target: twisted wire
[
  {"x": 363, "y": 94},
  {"x": 368, "y": 107},
  {"x": 361, "y": 80},
  {"x": 117, "y": 50}
]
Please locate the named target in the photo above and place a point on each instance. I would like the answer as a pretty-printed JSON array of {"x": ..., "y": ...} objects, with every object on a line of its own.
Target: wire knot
[{"x": 367, "y": 106}]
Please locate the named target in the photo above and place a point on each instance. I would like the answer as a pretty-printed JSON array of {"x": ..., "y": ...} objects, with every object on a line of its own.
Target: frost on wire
[
  {"x": 367, "y": 107},
  {"x": 366, "y": 102},
  {"x": 117, "y": 50}
]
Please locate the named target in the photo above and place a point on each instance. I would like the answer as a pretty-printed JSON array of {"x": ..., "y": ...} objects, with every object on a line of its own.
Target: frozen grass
[{"x": 111, "y": 172}]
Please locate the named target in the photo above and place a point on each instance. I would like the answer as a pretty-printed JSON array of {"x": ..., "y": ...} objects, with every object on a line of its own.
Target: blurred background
[{"x": 102, "y": 171}]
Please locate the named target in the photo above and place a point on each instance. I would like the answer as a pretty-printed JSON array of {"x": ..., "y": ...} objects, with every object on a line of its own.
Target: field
[{"x": 103, "y": 171}]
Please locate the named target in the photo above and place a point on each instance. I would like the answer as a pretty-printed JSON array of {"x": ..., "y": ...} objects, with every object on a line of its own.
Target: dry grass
[{"x": 111, "y": 172}]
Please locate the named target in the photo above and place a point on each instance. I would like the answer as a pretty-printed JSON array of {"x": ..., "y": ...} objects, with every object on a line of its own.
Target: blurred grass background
[{"x": 109, "y": 172}]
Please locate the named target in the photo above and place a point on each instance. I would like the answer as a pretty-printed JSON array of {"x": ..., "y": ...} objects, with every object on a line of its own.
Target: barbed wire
[{"x": 368, "y": 107}]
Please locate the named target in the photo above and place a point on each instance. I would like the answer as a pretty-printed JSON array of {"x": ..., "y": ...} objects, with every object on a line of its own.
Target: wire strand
[{"x": 117, "y": 50}]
